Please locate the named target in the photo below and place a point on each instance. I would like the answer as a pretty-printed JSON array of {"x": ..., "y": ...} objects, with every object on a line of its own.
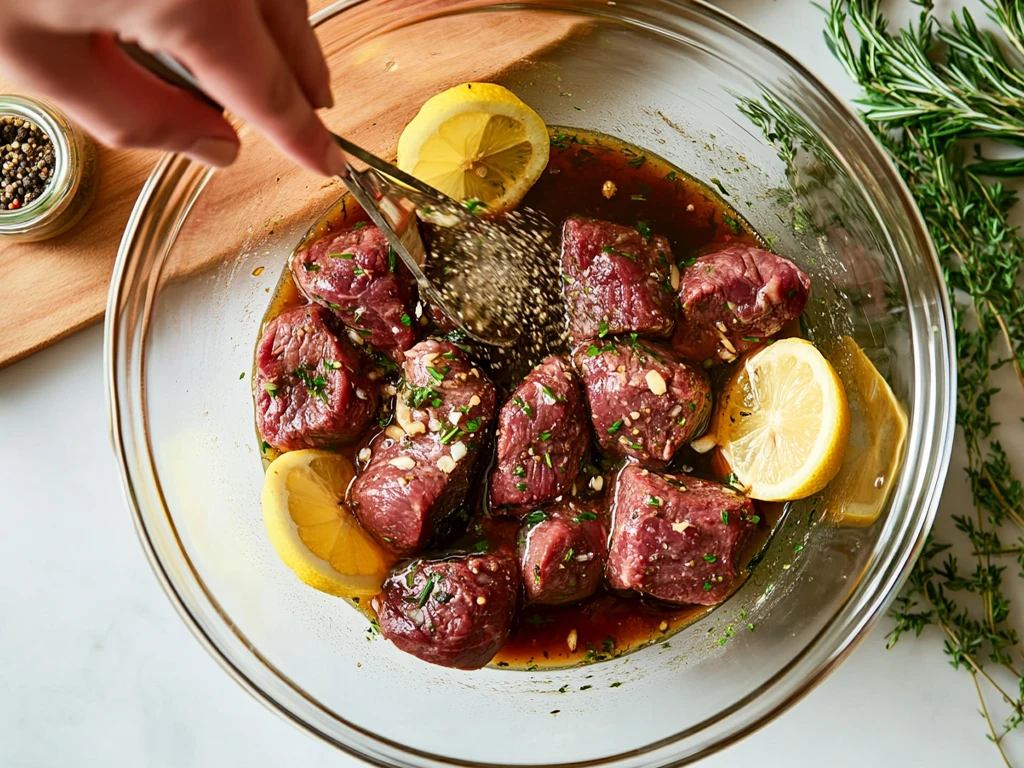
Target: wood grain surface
[{"x": 51, "y": 289}]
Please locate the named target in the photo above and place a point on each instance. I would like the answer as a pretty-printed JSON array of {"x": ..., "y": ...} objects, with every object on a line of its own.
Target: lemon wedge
[
  {"x": 313, "y": 531},
  {"x": 783, "y": 421},
  {"x": 476, "y": 141},
  {"x": 875, "y": 450}
]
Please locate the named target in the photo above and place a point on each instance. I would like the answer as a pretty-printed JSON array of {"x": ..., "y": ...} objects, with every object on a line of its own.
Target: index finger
[{"x": 246, "y": 72}]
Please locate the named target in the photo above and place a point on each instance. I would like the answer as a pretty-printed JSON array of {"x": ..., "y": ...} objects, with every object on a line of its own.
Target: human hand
[{"x": 259, "y": 58}]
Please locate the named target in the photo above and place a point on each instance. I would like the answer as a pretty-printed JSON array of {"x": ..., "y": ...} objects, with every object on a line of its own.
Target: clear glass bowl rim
[{"x": 928, "y": 455}]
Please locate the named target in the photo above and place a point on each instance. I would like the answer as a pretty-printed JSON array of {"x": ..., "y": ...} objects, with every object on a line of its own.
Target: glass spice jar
[{"x": 72, "y": 183}]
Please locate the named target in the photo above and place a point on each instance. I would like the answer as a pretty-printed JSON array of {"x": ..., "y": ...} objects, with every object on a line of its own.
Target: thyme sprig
[{"x": 929, "y": 89}]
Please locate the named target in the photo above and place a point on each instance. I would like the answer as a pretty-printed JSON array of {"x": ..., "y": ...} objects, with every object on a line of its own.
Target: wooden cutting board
[{"x": 51, "y": 289}]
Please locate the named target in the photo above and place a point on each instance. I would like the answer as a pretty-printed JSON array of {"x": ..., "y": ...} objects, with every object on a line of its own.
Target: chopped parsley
[
  {"x": 358, "y": 271},
  {"x": 550, "y": 395},
  {"x": 544, "y": 436},
  {"x": 614, "y": 428},
  {"x": 264, "y": 446},
  {"x": 568, "y": 555},
  {"x": 602, "y": 329},
  {"x": 347, "y": 256},
  {"x": 755, "y": 519},
  {"x": 358, "y": 225},
  {"x": 520, "y": 486},
  {"x": 654, "y": 501},
  {"x": 427, "y": 589},
  {"x": 708, "y": 586},
  {"x": 473, "y": 424},
  {"x": 708, "y": 557},
  {"x": 547, "y": 460},
  {"x": 593, "y": 351},
  {"x": 536, "y": 573},
  {"x": 473, "y": 205},
  {"x": 536, "y": 517},
  {"x": 752, "y": 339},
  {"x": 586, "y": 687},
  {"x": 417, "y": 396},
  {"x": 631, "y": 444},
  {"x": 450, "y": 435},
  {"x": 730, "y": 222},
  {"x": 435, "y": 374},
  {"x": 525, "y": 406},
  {"x": 241, "y": 375},
  {"x": 725, "y": 517},
  {"x": 481, "y": 546},
  {"x": 645, "y": 233},
  {"x": 614, "y": 252},
  {"x": 583, "y": 517},
  {"x": 332, "y": 365},
  {"x": 670, "y": 176},
  {"x": 406, "y": 321},
  {"x": 391, "y": 258},
  {"x": 315, "y": 385},
  {"x": 616, "y": 684},
  {"x": 636, "y": 162},
  {"x": 311, "y": 266},
  {"x": 519, "y": 471}
]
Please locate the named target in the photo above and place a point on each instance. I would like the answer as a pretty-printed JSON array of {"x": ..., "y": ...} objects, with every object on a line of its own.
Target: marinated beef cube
[
  {"x": 542, "y": 437},
  {"x": 617, "y": 280},
  {"x": 675, "y": 537},
  {"x": 734, "y": 299},
  {"x": 414, "y": 483},
  {"x": 644, "y": 403},
  {"x": 562, "y": 552},
  {"x": 455, "y": 612},
  {"x": 355, "y": 274},
  {"x": 313, "y": 388},
  {"x": 444, "y": 392},
  {"x": 411, "y": 488}
]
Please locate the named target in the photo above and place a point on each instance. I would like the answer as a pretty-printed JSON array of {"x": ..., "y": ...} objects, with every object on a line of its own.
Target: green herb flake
[
  {"x": 547, "y": 460},
  {"x": 536, "y": 517},
  {"x": 358, "y": 225},
  {"x": 602, "y": 329},
  {"x": 568, "y": 555},
  {"x": 544, "y": 436},
  {"x": 654, "y": 501},
  {"x": 586, "y": 687},
  {"x": 241, "y": 375},
  {"x": 473, "y": 424},
  {"x": 358, "y": 271},
  {"x": 435, "y": 374},
  {"x": 270, "y": 388},
  {"x": 519, "y": 471},
  {"x": 473, "y": 205},
  {"x": 708, "y": 586},
  {"x": 616, "y": 684},
  {"x": 583, "y": 517},
  {"x": 427, "y": 589},
  {"x": 520, "y": 486},
  {"x": 391, "y": 259},
  {"x": 725, "y": 517},
  {"x": 614, "y": 428},
  {"x": 755, "y": 519},
  {"x": 523, "y": 405},
  {"x": 710, "y": 558},
  {"x": 406, "y": 321},
  {"x": 536, "y": 573},
  {"x": 346, "y": 256},
  {"x": 311, "y": 266},
  {"x": 718, "y": 184},
  {"x": 593, "y": 351},
  {"x": 264, "y": 446}
]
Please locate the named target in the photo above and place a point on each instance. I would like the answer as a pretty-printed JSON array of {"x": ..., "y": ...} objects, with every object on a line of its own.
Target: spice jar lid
[{"x": 71, "y": 185}]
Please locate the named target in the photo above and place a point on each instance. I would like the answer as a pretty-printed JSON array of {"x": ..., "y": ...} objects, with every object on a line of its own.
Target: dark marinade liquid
[{"x": 585, "y": 167}]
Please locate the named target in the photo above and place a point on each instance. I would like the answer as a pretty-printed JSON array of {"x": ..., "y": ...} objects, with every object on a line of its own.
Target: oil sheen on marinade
[{"x": 584, "y": 168}]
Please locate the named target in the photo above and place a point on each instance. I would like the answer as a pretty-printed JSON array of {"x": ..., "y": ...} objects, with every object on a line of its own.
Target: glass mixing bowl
[{"x": 203, "y": 250}]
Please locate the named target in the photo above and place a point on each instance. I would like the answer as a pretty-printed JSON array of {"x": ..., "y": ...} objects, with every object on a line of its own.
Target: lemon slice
[
  {"x": 476, "y": 141},
  {"x": 878, "y": 433},
  {"x": 782, "y": 422},
  {"x": 313, "y": 531}
]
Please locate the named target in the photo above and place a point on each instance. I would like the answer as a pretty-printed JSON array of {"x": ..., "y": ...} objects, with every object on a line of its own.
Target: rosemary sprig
[{"x": 928, "y": 89}]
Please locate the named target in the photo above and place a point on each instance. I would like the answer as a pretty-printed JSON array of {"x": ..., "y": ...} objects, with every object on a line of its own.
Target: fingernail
[
  {"x": 334, "y": 160},
  {"x": 326, "y": 98},
  {"x": 213, "y": 151}
]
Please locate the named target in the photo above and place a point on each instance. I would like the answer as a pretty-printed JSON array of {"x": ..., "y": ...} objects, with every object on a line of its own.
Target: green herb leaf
[{"x": 347, "y": 256}]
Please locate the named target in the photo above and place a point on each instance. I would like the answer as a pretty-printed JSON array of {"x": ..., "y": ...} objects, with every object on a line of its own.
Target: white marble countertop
[{"x": 96, "y": 670}]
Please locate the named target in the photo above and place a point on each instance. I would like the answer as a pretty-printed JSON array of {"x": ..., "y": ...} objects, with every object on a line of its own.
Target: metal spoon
[{"x": 394, "y": 201}]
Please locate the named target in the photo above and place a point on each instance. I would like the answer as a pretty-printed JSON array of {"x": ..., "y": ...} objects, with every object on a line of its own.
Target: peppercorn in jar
[{"x": 47, "y": 170}]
